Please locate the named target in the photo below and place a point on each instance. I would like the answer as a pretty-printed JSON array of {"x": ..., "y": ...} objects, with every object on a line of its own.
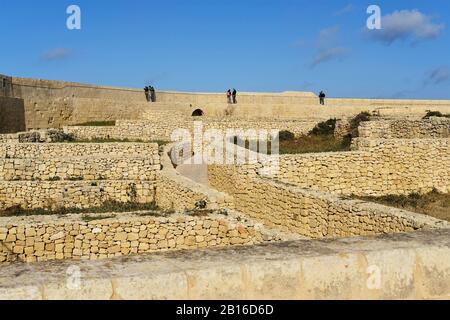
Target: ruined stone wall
[
  {"x": 378, "y": 167},
  {"x": 309, "y": 213},
  {"x": 435, "y": 127},
  {"x": 42, "y": 238}
]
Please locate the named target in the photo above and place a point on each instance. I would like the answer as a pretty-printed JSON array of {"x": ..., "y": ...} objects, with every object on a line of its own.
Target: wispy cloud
[
  {"x": 327, "y": 50},
  {"x": 327, "y": 36},
  {"x": 438, "y": 75},
  {"x": 57, "y": 54},
  {"x": 328, "y": 54},
  {"x": 406, "y": 25},
  {"x": 347, "y": 9}
]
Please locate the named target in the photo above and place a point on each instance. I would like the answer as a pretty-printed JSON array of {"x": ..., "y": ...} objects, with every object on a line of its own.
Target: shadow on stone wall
[{"x": 12, "y": 115}]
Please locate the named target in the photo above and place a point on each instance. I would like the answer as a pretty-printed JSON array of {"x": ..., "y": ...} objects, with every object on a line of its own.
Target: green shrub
[
  {"x": 435, "y": 114},
  {"x": 325, "y": 128},
  {"x": 286, "y": 136}
]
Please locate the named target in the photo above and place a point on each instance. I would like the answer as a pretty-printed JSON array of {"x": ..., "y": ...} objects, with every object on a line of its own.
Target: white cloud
[{"x": 406, "y": 25}]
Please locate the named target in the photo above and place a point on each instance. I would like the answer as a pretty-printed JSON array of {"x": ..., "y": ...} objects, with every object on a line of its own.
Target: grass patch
[
  {"x": 96, "y": 124},
  {"x": 313, "y": 144},
  {"x": 320, "y": 139},
  {"x": 434, "y": 203},
  {"x": 306, "y": 144},
  {"x": 107, "y": 207}
]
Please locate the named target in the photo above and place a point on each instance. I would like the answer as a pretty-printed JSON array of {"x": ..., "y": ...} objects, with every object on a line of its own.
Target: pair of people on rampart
[
  {"x": 150, "y": 94},
  {"x": 231, "y": 96}
]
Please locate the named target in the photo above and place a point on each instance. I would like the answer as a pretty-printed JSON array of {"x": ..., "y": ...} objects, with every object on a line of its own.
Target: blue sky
[{"x": 252, "y": 45}]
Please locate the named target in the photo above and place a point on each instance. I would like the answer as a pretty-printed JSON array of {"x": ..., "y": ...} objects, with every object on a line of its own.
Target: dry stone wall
[
  {"x": 378, "y": 167},
  {"x": 310, "y": 213},
  {"x": 435, "y": 127},
  {"x": 87, "y": 175},
  {"x": 73, "y": 194},
  {"x": 42, "y": 238},
  {"x": 146, "y": 130},
  {"x": 81, "y": 168},
  {"x": 68, "y": 150}
]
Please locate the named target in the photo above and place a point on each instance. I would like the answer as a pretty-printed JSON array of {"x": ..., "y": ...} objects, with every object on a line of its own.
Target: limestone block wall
[
  {"x": 73, "y": 194},
  {"x": 67, "y": 150},
  {"x": 410, "y": 266},
  {"x": 310, "y": 213},
  {"x": 58, "y": 103},
  {"x": 12, "y": 115},
  {"x": 129, "y": 130},
  {"x": 435, "y": 127},
  {"x": 58, "y": 112},
  {"x": 147, "y": 130},
  {"x": 77, "y": 175},
  {"x": 377, "y": 167},
  {"x": 87, "y": 175},
  {"x": 81, "y": 168},
  {"x": 8, "y": 138},
  {"x": 5, "y": 86},
  {"x": 42, "y": 238}
]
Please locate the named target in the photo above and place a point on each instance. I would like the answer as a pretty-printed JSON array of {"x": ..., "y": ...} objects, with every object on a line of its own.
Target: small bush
[
  {"x": 286, "y": 136},
  {"x": 435, "y": 114},
  {"x": 325, "y": 128}
]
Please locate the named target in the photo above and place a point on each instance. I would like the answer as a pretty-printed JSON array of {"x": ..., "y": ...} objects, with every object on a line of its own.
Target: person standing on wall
[
  {"x": 234, "y": 96},
  {"x": 229, "y": 96},
  {"x": 147, "y": 95},
  {"x": 152, "y": 94},
  {"x": 322, "y": 97}
]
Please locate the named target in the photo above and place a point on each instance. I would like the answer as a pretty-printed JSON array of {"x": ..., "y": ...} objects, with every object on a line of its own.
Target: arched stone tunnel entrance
[{"x": 198, "y": 113}]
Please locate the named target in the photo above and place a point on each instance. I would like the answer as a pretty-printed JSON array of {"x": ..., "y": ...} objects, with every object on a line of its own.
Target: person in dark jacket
[
  {"x": 152, "y": 94},
  {"x": 322, "y": 97},
  {"x": 147, "y": 95},
  {"x": 234, "y": 94}
]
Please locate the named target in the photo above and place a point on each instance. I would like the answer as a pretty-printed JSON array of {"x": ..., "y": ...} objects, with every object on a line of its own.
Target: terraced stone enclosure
[{"x": 53, "y": 197}]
